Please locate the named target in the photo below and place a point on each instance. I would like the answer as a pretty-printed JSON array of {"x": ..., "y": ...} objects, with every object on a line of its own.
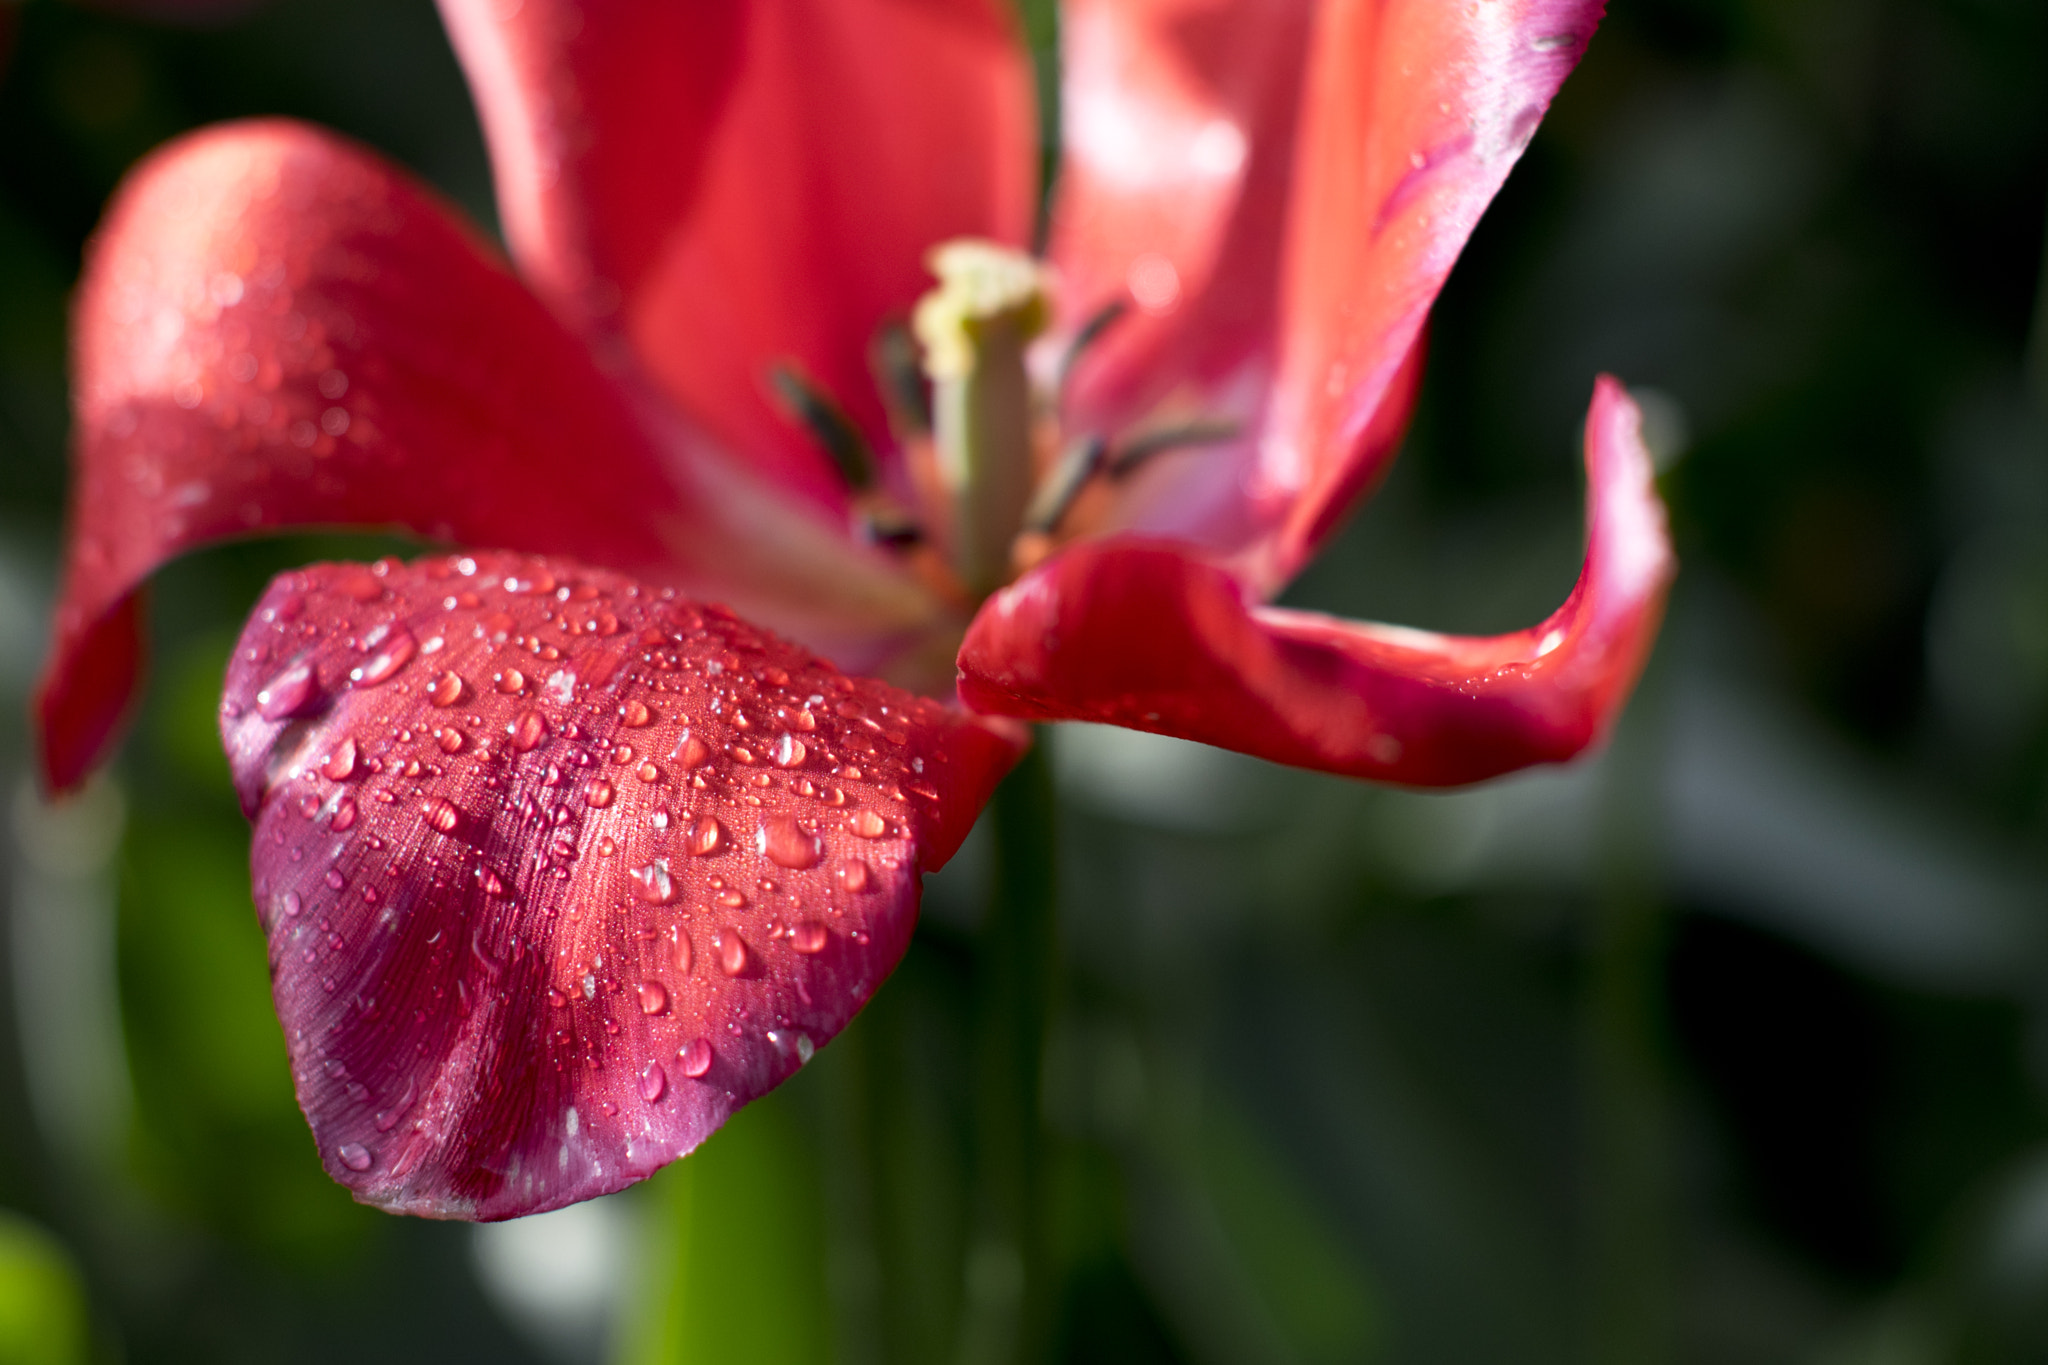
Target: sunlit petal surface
[
  {"x": 277, "y": 328},
  {"x": 1140, "y": 634},
  {"x": 729, "y": 186},
  {"x": 558, "y": 870}
]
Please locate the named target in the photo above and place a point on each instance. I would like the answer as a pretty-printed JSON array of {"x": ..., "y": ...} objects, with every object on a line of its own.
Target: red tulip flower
[{"x": 559, "y": 866}]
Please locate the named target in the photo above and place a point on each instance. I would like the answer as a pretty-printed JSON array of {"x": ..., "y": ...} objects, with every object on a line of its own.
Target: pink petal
[
  {"x": 733, "y": 185},
  {"x": 559, "y": 869},
  {"x": 1179, "y": 121},
  {"x": 1141, "y": 634},
  {"x": 1415, "y": 112},
  {"x": 1304, "y": 175},
  {"x": 276, "y": 328}
]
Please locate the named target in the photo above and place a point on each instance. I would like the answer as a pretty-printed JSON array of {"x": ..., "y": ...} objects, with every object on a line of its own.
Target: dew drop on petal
[
  {"x": 696, "y": 1058},
  {"x": 809, "y": 937},
  {"x": 681, "y": 949},
  {"x": 442, "y": 814},
  {"x": 354, "y": 1155},
  {"x": 653, "y": 882},
  {"x": 510, "y": 682},
  {"x": 691, "y": 751},
  {"x": 869, "y": 825},
  {"x": 396, "y": 651},
  {"x": 732, "y": 951},
  {"x": 653, "y": 997},
  {"x": 344, "y": 815},
  {"x": 852, "y": 875},
  {"x": 788, "y": 751},
  {"x": 653, "y": 1082},
  {"x": 635, "y": 714},
  {"x": 648, "y": 772},
  {"x": 530, "y": 729},
  {"x": 784, "y": 842},
  {"x": 341, "y": 764},
  {"x": 598, "y": 794},
  {"x": 704, "y": 836},
  {"x": 287, "y": 693},
  {"x": 447, "y": 689}
]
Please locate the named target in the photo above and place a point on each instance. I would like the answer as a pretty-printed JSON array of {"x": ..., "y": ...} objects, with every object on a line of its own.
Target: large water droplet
[
  {"x": 395, "y": 652},
  {"x": 731, "y": 950},
  {"x": 648, "y": 772},
  {"x": 696, "y": 1058},
  {"x": 635, "y": 714},
  {"x": 704, "y": 837},
  {"x": 341, "y": 764},
  {"x": 447, "y": 689},
  {"x": 443, "y": 814},
  {"x": 653, "y": 1082},
  {"x": 354, "y": 1155},
  {"x": 344, "y": 815},
  {"x": 680, "y": 948},
  {"x": 511, "y": 682},
  {"x": 690, "y": 751},
  {"x": 788, "y": 751},
  {"x": 653, "y": 882},
  {"x": 809, "y": 937},
  {"x": 852, "y": 875},
  {"x": 653, "y": 997},
  {"x": 598, "y": 794},
  {"x": 868, "y": 825},
  {"x": 287, "y": 694},
  {"x": 529, "y": 730},
  {"x": 785, "y": 843}
]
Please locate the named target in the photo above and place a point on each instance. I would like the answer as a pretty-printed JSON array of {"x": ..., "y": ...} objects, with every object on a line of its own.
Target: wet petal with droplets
[{"x": 485, "y": 975}]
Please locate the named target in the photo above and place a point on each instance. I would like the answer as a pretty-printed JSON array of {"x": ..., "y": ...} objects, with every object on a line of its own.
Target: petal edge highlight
[{"x": 1139, "y": 634}]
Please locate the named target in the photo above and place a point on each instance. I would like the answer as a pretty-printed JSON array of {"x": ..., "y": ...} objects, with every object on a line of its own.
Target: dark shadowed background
[{"x": 1730, "y": 1045}]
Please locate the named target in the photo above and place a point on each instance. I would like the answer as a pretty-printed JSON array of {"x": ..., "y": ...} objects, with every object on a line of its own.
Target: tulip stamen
[
  {"x": 1134, "y": 451},
  {"x": 899, "y": 375},
  {"x": 879, "y": 518},
  {"x": 1079, "y": 463},
  {"x": 1098, "y": 324}
]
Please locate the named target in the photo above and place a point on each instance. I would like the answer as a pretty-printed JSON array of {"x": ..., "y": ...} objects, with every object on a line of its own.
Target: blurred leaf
[
  {"x": 42, "y": 1305},
  {"x": 735, "y": 1262}
]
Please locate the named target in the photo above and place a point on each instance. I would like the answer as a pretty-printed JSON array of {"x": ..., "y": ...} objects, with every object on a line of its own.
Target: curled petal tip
[
  {"x": 558, "y": 870},
  {"x": 1144, "y": 635}
]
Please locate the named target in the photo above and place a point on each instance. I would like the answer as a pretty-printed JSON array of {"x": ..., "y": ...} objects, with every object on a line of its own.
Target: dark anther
[
  {"x": 899, "y": 374},
  {"x": 1077, "y": 464},
  {"x": 884, "y": 523},
  {"x": 828, "y": 424},
  {"x": 1135, "y": 451},
  {"x": 1091, "y": 332}
]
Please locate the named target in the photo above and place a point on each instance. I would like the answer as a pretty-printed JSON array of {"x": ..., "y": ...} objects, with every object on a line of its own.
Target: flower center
[{"x": 989, "y": 473}]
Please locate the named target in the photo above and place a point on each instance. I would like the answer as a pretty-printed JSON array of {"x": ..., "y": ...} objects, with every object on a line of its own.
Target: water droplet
[
  {"x": 690, "y": 751},
  {"x": 528, "y": 731},
  {"x": 354, "y": 1155},
  {"x": 785, "y": 843},
  {"x": 680, "y": 949},
  {"x": 447, "y": 689},
  {"x": 732, "y": 951},
  {"x": 334, "y": 879},
  {"x": 868, "y": 825},
  {"x": 442, "y": 814},
  {"x": 696, "y": 1058},
  {"x": 450, "y": 739},
  {"x": 653, "y": 1082},
  {"x": 598, "y": 794},
  {"x": 292, "y": 904},
  {"x": 510, "y": 682},
  {"x": 809, "y": 937},
  {"x": 704, "y": 837},
  {"x": 396, "y": 652},
  {"x": 648, "y": 772},
  {"x": 341, "y": 764},
  {"x": 852, "y": 875},
  {"x": 653, "y": 882},
  {"x": 287, "y": 694},
  {"x": 635, "y": 714},
  {"x": 653, "y": 997},
  {"x": 788, "y": 752},
  {"x": 344, "y": 815},
  {"x": 731, "y": 900}
]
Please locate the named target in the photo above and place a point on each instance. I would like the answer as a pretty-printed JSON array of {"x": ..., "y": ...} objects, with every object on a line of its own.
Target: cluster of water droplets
[{"x": 627, "y": 834}]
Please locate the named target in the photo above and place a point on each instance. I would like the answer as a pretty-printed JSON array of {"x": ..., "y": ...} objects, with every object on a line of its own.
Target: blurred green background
[{"x": 1730, "y": 1045}]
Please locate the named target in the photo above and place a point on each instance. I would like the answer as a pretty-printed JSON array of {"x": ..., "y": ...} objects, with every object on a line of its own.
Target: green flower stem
[{"x": 1007, "y": 1297}]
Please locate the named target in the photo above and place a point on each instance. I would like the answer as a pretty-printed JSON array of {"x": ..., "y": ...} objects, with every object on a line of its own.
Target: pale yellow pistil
[{"x": 974, "y": 330}]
